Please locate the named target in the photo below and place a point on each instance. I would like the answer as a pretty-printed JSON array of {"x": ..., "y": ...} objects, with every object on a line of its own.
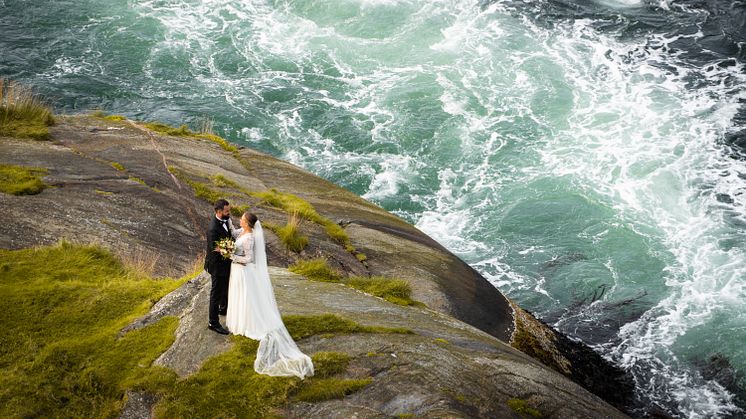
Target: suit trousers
[{"x": 218, "y": 296}]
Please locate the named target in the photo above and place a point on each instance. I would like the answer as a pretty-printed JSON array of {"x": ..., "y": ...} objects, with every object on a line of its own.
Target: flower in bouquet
[{"x": 225, "y": 247}]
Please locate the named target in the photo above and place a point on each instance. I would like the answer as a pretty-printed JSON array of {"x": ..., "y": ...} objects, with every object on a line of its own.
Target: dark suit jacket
[{"x": 214, "y": 262}]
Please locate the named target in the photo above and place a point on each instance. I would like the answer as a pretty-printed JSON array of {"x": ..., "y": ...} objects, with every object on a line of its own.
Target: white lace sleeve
[
  {"x": 236, "y": 232},
  {"x": 247, "y": 246}
]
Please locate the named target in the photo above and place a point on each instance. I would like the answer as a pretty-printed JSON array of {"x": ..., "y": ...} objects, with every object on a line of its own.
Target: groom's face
[{"x": 225, "y": 213}]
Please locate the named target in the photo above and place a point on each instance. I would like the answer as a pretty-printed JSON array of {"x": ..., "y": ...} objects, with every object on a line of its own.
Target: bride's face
[{"x": 244, "y": 223}]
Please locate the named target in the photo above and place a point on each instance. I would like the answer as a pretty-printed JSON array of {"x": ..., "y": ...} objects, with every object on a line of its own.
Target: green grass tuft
[
  {"x": 142, "y": 182},
  {"x": 335, "y": 231},
  {"x": 201, "y": 190},
  {"x": 521, "y": 407},
  {"x": 361, "y": 257},
  {"x": 117, "y": 166},
  {"x": 304, "y": 326},
  {"x": 223, "y": 182},
  {"x": 182, "y": 131},
  {"x": 316, "y": 270},
  {"x": 20, "y": 180},
  {"x": 393, "y": 290},
  {"x": 22, "y": 113},
  {"x": 102, "y": 115},
  {"x": 238, "y": 210},
  {"x": 293, "y": 204},
  {"x": 326, "y": 364},
  {"x": 231, "y": 379},
  {"x": 227, "y": 386},
  {"x": 330, "y": 388},
  {"x": 290, "y": 234},
  {"x": 289, "y": 203},
  {"x": 225, "y": 145},
  {"x": 204, "y": 191},
  {"x": 62, "y": 309}
]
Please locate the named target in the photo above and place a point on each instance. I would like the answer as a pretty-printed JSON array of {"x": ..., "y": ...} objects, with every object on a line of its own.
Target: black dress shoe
[{"x": 218, "y": 328}]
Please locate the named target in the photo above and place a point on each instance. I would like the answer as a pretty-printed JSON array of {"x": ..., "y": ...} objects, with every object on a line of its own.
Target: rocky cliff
[{"x": 145, "y": 192}]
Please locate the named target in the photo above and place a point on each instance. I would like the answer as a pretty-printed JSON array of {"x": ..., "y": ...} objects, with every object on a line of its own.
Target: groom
[{"x": 219, "y": 268}]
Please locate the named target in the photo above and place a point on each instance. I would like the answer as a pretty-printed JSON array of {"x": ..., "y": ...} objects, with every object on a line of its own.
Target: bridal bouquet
[{"x": 225, "y": 247}]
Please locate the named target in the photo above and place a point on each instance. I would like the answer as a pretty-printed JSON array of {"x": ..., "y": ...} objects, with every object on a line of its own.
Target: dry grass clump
[{"x": 23, "y": 114}]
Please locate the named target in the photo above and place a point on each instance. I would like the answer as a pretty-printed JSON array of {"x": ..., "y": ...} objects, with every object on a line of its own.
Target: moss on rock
[
  {"x": 21, "y": 180},
  {"x": 533, "y": 338},
  {"x": 62, "y": 309},
  {"x": 522, "y": 407}
]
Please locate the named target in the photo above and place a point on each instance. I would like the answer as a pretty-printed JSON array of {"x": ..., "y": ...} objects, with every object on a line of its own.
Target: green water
[{"x": 562, "y": 161}]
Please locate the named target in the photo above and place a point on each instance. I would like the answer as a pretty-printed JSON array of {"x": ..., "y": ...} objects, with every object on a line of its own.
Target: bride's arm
[
  {"x": 248, "y": 252},
  {"x": 235, "y": 231}
]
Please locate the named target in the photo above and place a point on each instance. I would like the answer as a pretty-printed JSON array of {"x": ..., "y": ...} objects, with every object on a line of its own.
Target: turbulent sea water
[{"x": 586, "y": 156}]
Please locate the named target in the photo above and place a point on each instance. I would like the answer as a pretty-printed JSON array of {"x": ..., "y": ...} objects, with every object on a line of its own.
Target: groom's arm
[{"x": 211, "y": 238}]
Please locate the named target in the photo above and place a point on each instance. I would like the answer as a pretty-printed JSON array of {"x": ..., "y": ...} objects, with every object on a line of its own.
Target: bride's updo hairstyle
[{"x": 250, "y": 218}]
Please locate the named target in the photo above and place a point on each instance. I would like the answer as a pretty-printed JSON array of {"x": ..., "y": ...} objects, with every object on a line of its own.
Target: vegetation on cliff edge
[
  {"x": 393, "y": 290},
  {"x": 22, "y": 113},
  {"x": 63, "y": 307}
]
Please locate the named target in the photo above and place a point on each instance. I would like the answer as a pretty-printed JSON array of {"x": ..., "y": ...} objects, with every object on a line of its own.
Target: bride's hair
[{"x": 250, "y": 218}]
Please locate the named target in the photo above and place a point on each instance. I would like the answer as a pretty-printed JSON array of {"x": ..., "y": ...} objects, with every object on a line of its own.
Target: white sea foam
[{"x": 518, "y": 105}]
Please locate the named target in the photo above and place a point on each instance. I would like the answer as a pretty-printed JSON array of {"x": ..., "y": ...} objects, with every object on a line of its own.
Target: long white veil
[{"x": 278, "y": 355}]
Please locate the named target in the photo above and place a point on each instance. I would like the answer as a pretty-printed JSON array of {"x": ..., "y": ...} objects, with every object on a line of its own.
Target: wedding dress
[{"x": 252, "y": 311}]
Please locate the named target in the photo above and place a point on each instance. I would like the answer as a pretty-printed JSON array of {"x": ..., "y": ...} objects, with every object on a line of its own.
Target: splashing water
[{"x": 575, "y": 158}]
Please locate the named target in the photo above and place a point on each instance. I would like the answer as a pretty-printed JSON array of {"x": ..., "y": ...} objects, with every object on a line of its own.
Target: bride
[{"x": 252, "y": 309}]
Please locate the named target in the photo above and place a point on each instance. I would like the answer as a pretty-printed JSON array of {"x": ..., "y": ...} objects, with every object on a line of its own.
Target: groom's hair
[{"x": 220, "y": 204}]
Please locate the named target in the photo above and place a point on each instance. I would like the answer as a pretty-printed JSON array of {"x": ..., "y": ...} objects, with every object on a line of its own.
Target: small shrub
[
  {"x": 361, "y": 257},
  {"x": 117, "y": 166},
  {"x": 316, "y": 270},
  {"x": 115, "y": 118},
  {"x": 20, "y": 180}
]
